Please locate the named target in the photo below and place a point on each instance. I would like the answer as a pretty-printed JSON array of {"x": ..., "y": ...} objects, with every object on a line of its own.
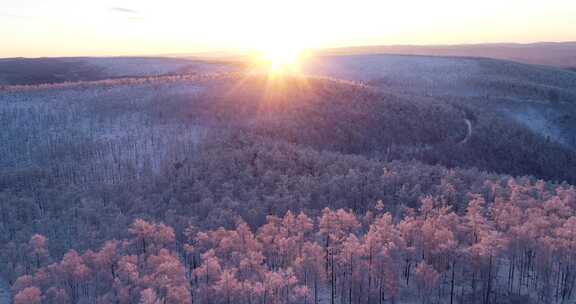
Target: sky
[{"x": 36, "y": 28}]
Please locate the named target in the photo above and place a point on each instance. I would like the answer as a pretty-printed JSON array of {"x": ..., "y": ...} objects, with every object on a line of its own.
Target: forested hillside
[
  {"x": 236, "y": 188},
  {"x": 412, "y": 226},
  {"x": 26, "y": 71}
]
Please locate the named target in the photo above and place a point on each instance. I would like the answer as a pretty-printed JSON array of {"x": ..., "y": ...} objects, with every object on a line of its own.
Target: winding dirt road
[{"x": 468, "y": 133}]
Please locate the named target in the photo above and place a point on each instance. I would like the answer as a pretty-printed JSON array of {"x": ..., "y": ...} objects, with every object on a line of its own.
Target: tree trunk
[
  {"x": 332, "y": 280},
  {"x": 489, "y": 288},
  {"x": 351, "y": 280},
  {"x": 315, "y": 289},
  {"x": 452, "y": 282}
]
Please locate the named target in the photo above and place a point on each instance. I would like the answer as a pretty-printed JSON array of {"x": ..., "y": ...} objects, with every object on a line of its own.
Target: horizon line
[{"x": 240, "y": 52}]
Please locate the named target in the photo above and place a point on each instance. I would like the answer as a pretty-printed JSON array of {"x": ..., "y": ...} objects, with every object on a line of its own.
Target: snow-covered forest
[
  {"x": 233, "y": 188},
  {"x": 520, "y": 247}
]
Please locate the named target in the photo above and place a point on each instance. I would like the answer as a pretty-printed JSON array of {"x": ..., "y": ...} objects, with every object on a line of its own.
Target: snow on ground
[
  {"x": 413, "y": 73},
  {"x": 131, "y": 66},
  {"x": 5, "y": 297},
  {"x": 525, "y": 88},
  {"x": 538, "y": 122},
  {"x": 109, "y": 128},
  {"x": 445, "y": 76}
]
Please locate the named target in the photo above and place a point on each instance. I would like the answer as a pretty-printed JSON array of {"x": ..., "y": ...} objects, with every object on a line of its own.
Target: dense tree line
[
  {"x": 102, "y": 123},
  {"x": 234, "y": 178},
  {"x": 520, "y": 245},
  {"x": 84, "y": 162}
]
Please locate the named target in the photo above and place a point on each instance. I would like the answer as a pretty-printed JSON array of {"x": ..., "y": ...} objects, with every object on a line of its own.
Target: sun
[{"x": 281, "y": 59}]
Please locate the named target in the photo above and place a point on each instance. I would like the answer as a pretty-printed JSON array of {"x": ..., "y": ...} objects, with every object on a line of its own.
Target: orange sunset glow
[
  {"x": 288, "y": 152},
  {"x": 35, "y": 28}
]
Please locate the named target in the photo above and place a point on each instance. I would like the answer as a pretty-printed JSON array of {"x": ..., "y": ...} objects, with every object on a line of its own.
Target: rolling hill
[
  {"x": 208, "y": 150},
  {"x": 559, "y": 54},
  {"x": 21, "y": 71},
  {"x": 494, "y": 115}
]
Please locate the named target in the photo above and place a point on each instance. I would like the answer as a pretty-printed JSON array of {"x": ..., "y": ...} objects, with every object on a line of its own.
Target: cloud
[{"x": 124, "y": 10}]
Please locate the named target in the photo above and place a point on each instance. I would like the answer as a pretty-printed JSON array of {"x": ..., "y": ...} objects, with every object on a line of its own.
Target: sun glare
[{"x": 281, "y": 59}]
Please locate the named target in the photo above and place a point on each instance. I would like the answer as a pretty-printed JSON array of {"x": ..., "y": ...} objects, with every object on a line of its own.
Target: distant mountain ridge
[{"x": 559, "y": 54}]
